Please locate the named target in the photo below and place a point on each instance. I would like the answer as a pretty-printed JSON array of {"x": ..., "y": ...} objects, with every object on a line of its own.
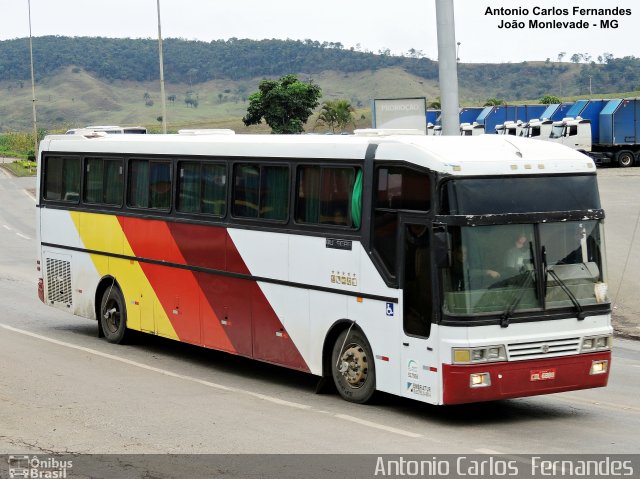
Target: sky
[{"x": 372, "y": 24}]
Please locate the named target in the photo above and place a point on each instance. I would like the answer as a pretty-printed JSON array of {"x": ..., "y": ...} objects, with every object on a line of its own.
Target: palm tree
[{"x": 336, "y": 114}]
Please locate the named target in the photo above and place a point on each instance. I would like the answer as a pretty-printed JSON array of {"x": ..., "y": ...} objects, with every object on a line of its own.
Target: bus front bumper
[{"x": 504, "y": 380}]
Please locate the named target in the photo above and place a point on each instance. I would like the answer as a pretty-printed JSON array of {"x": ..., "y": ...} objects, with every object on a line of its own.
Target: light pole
[
  {"x": 162, "y": 95},
  {"x": 447, "y": 67},
  {"x": 33, "y": 88}
]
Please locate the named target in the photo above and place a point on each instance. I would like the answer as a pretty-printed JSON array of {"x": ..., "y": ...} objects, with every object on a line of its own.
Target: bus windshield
[{"x": 497, "y": 269}]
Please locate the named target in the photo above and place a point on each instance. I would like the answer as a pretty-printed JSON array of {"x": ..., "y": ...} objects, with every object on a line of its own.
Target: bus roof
[{"x": 478, "y": 155}]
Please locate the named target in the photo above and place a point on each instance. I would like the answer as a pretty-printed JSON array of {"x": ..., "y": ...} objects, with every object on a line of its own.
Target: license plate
[{"x": 542, "y": 374}]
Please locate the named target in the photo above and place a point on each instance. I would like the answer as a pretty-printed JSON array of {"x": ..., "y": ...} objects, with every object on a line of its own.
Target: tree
[
  {"x": 285, "y": 104},
  {"x": 435, "y": 104},
  {"x": 576, "y": 57},
  {"x": 561, "y": 56},
  {"x": 493, "y": 102},
  {"x": 336, "y": 114},
  {"x": 549, "y": 99}
]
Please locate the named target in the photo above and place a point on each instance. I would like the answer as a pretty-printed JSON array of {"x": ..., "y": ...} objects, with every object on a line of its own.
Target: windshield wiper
[
  {"x": 565, "y": 288},
  {"x": 523, "y": 285}
]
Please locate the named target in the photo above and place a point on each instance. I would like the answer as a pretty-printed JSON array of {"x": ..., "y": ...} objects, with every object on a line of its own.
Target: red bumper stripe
[{"x": 514, "y": 379}]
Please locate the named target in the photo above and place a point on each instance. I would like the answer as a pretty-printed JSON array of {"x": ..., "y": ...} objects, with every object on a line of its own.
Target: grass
[
  {"x": 16, "y": 145},
  {"x": 20, "y": 168}
]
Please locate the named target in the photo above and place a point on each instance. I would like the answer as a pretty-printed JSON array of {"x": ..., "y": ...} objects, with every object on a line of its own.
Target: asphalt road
[
  {"x": 64, "y": 390},
  {"x": 620, "y": 195}
]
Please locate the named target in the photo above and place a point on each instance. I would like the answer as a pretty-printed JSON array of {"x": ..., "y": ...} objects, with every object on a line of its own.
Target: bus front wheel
[
  {"x": 113, "y": 315},
  {"x": 352, "y": 367}
]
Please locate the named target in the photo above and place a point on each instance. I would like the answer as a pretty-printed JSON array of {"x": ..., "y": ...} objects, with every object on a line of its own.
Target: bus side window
[
  {"x": 324, "y": 196},
  {"x": 103, "y": 181},
  {"x": 149, "y": 184},
  {"x": 417, "y": 314},
  {"x": 397, "y": 188},
  {"x": 62, "y": 178},
  {"x": 261, "y": 191},
  {"x": 202, "y": 188}
]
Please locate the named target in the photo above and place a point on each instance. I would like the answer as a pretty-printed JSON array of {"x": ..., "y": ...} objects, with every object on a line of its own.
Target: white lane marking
[
  {"x": 6, "y": 173},
  {"x": 378, "y": 426},
  {"x": 8, "y": 228},
  {"x": 23, "y": 236},
  {"x": 264, "y": 397},
  {"x": 29, "y": 195}
]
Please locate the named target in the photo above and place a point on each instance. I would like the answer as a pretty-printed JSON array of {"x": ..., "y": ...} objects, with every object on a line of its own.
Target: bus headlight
[
  {"x": 597, "y": 343},
  {"x": 481, "y": 354},
  {"x": 479, "y": 380},
  {"x": 599, "y": 367}
]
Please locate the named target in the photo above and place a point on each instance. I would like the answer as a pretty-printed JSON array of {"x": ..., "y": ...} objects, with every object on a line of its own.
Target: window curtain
[
  {"x": 356, "y": 201},
  {"x": 189, "y": 187},
  {"x": 160, "y": 185},
  {"x": 113, "y": 182},
  {"x": 274, "y": 192},
  {"x": 71, "y": 179},
  {"x": 246, "y": 192},
  {"x": 311, "y": 183},
  {"x": 93, "y": 180},
  {"x": 214, "y": 189},
  {"x": 139, "y": 184}
]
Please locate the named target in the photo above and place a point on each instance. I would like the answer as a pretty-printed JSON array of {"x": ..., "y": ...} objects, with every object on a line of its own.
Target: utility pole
[
  {"x": 33, "y": 89},
  {"x": 448, "y": 67},
  {"x": 162, "y": 95}
]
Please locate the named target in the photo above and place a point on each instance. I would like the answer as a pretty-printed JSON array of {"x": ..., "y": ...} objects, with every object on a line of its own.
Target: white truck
[
  {"x": 513, "y": 128},
  {"x": 572, "y": 132},
  {"x": 471, "y": 129},
  {"x": 539, "y": 129}
]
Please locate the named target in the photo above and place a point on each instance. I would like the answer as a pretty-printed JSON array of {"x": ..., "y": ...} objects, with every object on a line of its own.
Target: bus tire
[
  {"x": 352, "y": 367},
  {"x": 625, "y": 158},
  {"x": 113, "y": 315}
]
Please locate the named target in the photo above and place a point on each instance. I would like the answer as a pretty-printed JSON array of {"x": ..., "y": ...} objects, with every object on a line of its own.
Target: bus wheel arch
[
  {"x": 111, "y": 311},
  {"x": 348, "y": 359}
]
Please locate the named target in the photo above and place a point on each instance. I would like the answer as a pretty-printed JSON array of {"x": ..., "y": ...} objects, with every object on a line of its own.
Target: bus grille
[
  {"x": 544, "y": 349},
  {"x": 59, "y": 281}
]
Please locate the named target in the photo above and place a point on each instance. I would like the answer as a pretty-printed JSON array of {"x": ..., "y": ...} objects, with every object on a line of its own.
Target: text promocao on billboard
[{"x": 400, "y": 113}]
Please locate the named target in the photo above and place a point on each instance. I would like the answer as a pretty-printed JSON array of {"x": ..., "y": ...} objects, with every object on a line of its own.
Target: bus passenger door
[{"x": 419, "y": 352}]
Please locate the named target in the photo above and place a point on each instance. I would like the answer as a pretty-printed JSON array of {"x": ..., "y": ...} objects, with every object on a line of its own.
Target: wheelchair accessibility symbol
[{"x": 390, "y": 309}]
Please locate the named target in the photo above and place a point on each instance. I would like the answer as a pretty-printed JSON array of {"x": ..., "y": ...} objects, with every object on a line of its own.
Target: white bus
[
  {"x": 109, "y": 130},
  {"x": 448, "y": 270}
]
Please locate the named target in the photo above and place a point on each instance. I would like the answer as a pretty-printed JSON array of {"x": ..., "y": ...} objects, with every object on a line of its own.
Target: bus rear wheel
[
  {"x": 113, "y": 315},
  {"x": 352, "y": 367}
]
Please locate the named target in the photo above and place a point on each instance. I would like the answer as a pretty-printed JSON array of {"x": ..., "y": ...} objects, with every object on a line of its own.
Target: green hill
[{"x": 84, "y": 81}]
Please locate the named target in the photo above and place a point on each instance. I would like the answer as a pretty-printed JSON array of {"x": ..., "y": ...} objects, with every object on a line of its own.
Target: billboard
[{"x": 400, "y": 113}]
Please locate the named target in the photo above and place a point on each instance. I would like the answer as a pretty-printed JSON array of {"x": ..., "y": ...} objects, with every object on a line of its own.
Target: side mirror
[{"x": 442, "y": 247}]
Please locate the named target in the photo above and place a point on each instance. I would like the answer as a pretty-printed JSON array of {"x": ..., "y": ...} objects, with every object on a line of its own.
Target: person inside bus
[
  {"x": 584, "y": 248},
  {"x": 519, "y": 255}
]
